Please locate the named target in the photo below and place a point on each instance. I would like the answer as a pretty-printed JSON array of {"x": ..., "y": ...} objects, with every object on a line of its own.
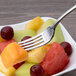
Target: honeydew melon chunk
[
  {"x": 24, "y": 70},
  {"x": 58, "y": 37},
  {"x": 19, "y": 34}
]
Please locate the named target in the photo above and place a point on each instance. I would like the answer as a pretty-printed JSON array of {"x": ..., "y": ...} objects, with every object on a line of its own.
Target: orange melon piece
[
  {"x": 35, "y": 24},
  {"x": 13, "y": 54}
]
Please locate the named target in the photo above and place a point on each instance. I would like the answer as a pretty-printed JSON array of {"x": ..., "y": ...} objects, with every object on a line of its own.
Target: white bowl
[{"x": 72, "y": 64}]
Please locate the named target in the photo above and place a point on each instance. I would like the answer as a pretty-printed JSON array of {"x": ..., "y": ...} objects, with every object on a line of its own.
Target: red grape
[
  {"x": 25, "y": 38},
  {"x": 7, "y": 33},
  {"x": 36, "y": 70},
  {"x": 18, "y": 65},
  {"x": 67, "y": 47}
]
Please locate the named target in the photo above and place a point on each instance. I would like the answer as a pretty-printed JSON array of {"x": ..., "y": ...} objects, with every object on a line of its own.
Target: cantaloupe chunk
[{"x": 13, "y": 54}]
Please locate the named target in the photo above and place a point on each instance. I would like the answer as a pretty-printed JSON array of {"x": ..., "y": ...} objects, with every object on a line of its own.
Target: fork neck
[
  {"x": 55, "y": 25},
  {"x": 63, "y": 16}
]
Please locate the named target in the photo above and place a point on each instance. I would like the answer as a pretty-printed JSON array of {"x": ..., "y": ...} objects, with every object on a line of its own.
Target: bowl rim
[{"x": 62, "y": 27}]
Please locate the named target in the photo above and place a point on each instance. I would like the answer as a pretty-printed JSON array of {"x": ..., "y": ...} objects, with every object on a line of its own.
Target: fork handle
[{"x": 63, "y": 15}]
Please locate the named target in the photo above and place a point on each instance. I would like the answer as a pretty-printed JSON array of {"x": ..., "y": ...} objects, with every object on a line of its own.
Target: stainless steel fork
[{"x": 44, "y": 37}]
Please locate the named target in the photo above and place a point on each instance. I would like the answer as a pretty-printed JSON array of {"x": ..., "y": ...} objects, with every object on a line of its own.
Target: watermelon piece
[
  {"x": 55, "y": 60},
  {"x": 4, "y": 44}
]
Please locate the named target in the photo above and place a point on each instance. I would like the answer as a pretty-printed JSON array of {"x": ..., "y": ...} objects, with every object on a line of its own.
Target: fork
[{"x": 44, "y": 37}]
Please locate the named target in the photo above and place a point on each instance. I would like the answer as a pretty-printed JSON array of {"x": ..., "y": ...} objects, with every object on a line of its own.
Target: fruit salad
[{"x": 46, "y": 60}]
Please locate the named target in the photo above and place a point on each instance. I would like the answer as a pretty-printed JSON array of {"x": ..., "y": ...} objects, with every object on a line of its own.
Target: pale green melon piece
[
  {"x": 24, "y": 70},
  {"x": 19, "y": 34},
  {"x": 58, "y": 37}
]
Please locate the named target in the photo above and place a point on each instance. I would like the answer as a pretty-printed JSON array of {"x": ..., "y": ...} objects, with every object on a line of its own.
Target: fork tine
[
  {"x": 31, "y": 42},
  {"x": 30, "y": 39},
  {"x": 34, "y": 44}
]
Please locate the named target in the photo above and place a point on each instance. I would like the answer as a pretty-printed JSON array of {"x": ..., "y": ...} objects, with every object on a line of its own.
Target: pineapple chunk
[
  {"x": 11, "y": 72},
  {"x": 35, "y": 24},
  {"x": 7, "y": 72},
  {"x": 37, "y": 55},
  {"x": 3, "y": 69}
]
